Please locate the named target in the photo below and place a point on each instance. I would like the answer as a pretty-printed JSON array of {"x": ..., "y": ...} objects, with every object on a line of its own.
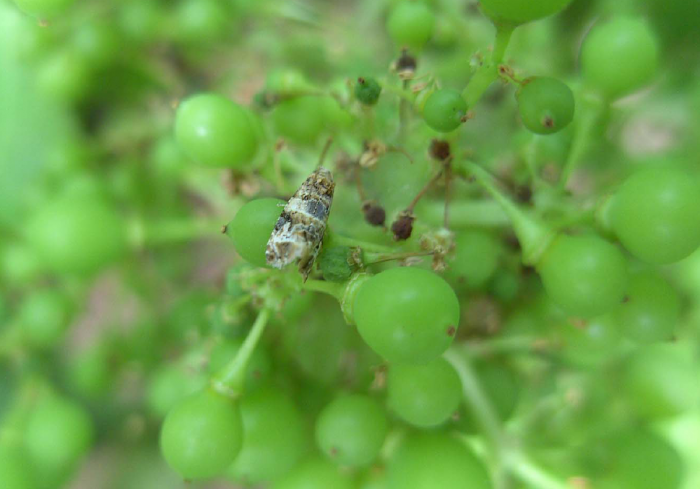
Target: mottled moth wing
[{"x": 298, "y": 233}]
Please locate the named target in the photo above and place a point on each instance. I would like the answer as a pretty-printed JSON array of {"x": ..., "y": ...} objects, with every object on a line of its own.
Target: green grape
[
  {"x": 431, "y": 460},
  {"x": 97, "y": 42},
  {"x": 367, "y": 91},
  {"x": 640, "y": 459},
  {"x": 44, "y": 9},
  {"x": 584, "y": 275},
  {"x": 661, "y": 381},
  {"x": 43, "y": 318},
  {"x": 334, "y": 263},
  {"x": 411, "y": 24},
  {"x": 670, "y": 18},
  {"x": 202, "y": 435},
  {"x": 424, "y": 395},
  {"x": 65, "y": 76},
  {"x": 546, "y": 104},
  {"x": 505, "y": 285},
  {"x": 201, "y": 21},
  {"x": 444, "y": 110},
  {"x": 287, "y": 83},
  {"x": 474, "y": 261},
  {"x": 167, "y": 159},
  {"x": 168, "y": 385},
  {"x": 259, "y": 368},
  {"x": 15, "y": 473},
  {"x": 521, "y": 11},
  {"x": 619, "y": 56},
  {"x": 314, "y": 473},
  {"x": 215, "y": 131},
  {"x": 302, "y": 120},
  {"x": 77, "y": 235},
  {"x": 58, "y": 435},
  {"x": 407, "y": 315},
  {"x": 252, "y": 226},
  {"x": 90, "y": 371},
  {"x": 591, "y": 343},
  {"x": 654, "y": 214},
  {"x": 652, "y": 309},
  {"x": 275, "y": 437},
  {"x": 19, "y": 264},
  {"x": 318, "y": 349},
  {"x": 140, "y": 20},
  {"x": 351, "y": 430}
]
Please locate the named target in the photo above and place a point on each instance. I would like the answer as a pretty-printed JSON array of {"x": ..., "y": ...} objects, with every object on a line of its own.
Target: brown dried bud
[
  {"x": 373, "y": 150},
  {"x": 402, "y": 227},
  {"x": 406, "y": 65},
  {"x": 374, "y": 214},
  {"x": 439, "y": 149}
]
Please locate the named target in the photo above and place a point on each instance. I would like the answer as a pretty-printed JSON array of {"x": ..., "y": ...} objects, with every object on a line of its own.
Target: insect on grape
[{"x": 298, "y": 233}]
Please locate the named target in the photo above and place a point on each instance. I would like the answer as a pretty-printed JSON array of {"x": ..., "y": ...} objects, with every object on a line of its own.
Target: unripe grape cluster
[{"x": 396, "y": 244}]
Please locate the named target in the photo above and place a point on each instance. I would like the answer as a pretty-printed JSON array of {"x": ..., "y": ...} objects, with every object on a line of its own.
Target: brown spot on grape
[
  {"x": 333, "y": 451},
  {"x": 451, "y": 331},
  {"x": 548, "y": 122}
]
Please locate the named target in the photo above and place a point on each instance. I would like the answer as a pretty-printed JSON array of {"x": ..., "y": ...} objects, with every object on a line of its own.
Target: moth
[{"x": 298, "y": 233}]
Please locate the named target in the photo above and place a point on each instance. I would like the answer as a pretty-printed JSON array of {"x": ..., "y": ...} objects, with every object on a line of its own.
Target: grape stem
[
  {"x": 229, "y": 381},
  {"x": 521, "y": 466},
  {"x": 339, "y": 240},
  {"x": 513, "y": 344},
  {"x": 475, "y": 396},
  {"x": 374, "y": 258},
  {"x": 532, "y": 233},
  {"x": 487, "y": 73},
  {"x": 591, "y": 111},
  {"x": 464, "y": 214},
  {"x": 423, "y": 191},
  {"x": 331, "y": 288},
  {"x": 169, "y": 231},
  {"x": 403, "y": 114},
  {"x": 514, "y": 460}
]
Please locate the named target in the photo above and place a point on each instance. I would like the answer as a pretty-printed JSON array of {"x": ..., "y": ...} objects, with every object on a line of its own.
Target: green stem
[
  {"x": 477, "y": 399},
  {"x": 331, "y": 288},
  {"x": 522, "y": 467},
  {"x": 230, "y": 380},
  {"x": 402, "y": 93},
  {"x": 487, "y": 73},
  {"x": 403, "y": 115},
  {"x": 591, "y": 111},
  {"x": 508, "y": 344},
  {"x": 533, "y": 234},
  {"x": 373, "y": 258},
  {"x": 338, "y": 240},
  {"x": 486, "y": 213},
  {"x": 514, "y": 460},
  {"x": 169, "y": 231}
]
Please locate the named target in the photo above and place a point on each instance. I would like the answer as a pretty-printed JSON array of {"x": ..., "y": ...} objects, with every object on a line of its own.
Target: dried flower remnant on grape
[
  {"x": 374, "y": 213},
  {"x": 298, "y": 233},
  {"x": 402, "y": 228}
]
